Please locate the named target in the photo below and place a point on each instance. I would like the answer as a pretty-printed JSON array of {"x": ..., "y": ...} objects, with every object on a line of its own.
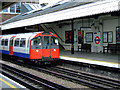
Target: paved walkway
[{"x": 112, "y": 60}]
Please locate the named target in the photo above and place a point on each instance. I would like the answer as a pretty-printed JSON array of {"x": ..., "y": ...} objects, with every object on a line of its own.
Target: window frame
[
  {"x": 54, "y": 44},
  {"x": 17, "y": 39},
  {"x": 6, "y": 42},
  {"x": 21, "y": 40},
  {"x": 36, "y": 47},
  {"x": 2, "y": 42}
]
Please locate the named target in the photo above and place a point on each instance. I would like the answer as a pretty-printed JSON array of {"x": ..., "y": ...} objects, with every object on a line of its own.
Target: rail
[
  {"x": 98, "y": 79},
  {"x": 19, "y": 80},
  {"x": 33, "y": 78},
  {"x": 77, "y": 80}
]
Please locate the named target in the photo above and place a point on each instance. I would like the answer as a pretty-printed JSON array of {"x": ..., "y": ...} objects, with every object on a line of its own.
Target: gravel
[{"x": 51, "y": 78}]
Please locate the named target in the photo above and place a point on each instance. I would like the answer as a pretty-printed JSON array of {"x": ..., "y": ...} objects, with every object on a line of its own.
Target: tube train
[{"x": 39, "y": 47}]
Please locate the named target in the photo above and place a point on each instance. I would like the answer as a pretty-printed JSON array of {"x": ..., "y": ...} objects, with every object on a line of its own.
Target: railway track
[
  {"x": 83, "y": 78},
  {"x": 97, "y": 81},
  {"x": 89, "y": 80},
  {"x": 38, "y": 82}
]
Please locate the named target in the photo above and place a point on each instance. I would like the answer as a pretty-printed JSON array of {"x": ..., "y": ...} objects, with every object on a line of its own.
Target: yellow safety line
[
  {"x": 9, "y": 84},
  {"x": 91, "y": 60}
]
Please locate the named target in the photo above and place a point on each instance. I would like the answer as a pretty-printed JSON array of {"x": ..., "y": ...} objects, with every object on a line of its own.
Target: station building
[{"x": 96, "y": 23}]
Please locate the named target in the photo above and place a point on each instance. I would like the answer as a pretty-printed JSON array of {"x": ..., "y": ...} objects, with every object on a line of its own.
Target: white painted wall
[{"x": 108, "y": 24}]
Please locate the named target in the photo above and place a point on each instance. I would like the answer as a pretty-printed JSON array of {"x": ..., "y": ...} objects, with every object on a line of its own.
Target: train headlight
[
  {"x": 37, "y": 50},
  {"x": 54, "y": 49}
]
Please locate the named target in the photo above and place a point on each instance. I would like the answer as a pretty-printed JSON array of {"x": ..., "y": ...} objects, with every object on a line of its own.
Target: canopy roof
[{"x": 67, "y": 10}]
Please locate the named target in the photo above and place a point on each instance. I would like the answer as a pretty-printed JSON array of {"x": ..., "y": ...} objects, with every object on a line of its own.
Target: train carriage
[{"x": 38, "y": 46}]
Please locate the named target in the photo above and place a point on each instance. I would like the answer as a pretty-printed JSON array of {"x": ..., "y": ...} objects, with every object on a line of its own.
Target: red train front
[{"x": 44, "y": 47}]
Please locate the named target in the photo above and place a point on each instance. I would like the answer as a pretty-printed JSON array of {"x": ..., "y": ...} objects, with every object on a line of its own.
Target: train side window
[
  {"x": 22, "y": 42},
  {"x": 16, "y": 42},
  {"x": 6, "y": 42},
  {"x": 54, "y": 41},
  {"x": 36, "y": 43},
  {"x": 2, "y": 42}
]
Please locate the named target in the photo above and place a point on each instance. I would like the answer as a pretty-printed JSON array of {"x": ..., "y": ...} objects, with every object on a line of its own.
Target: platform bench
[
  {"x": 85, "y": 47},
  {"x": 114, "y": 48}
]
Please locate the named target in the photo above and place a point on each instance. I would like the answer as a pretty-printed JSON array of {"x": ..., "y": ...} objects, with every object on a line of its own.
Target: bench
[
  {"x": 114, "y": 48},
  {"x": 85, "y": 47}
]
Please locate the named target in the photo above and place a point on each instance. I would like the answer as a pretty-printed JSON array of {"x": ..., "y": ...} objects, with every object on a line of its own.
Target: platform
[
  {"x": 7, "y": 83},
  {"x": 109, "y": 60}
]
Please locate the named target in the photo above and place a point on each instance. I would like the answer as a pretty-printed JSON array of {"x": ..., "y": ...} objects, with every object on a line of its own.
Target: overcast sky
[{"x": 49, "y": 1}]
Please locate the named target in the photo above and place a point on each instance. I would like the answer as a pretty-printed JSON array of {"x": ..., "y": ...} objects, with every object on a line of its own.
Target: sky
[{"x": 50, "y": 1}]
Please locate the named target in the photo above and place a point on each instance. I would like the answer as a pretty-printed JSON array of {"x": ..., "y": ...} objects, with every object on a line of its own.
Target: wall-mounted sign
[
  {"x": 118, "y": 35},
  {"x": 89, "y": 37},
  {"x": 97, "y": 39},
  {"x": 105, "y": 37},
  {"x": 68, "y": 37},
  {"x": 108, "y": 37},
  {"x": 85, "y": 28},
  {"x": 80, "y": 36}
]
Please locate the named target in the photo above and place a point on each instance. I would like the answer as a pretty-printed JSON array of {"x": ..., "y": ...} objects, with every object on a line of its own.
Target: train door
[
  {"x": 46, "y": 47},
  {"x": 11, "y": 46},
  {"x": 54, "y": 47}
]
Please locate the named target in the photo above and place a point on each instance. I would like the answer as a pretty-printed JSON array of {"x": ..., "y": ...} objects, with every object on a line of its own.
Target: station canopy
[{"x": 62, "y": 11}]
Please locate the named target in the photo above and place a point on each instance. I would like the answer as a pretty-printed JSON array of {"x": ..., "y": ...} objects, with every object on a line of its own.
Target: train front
[{"x": 44, "y": 48}]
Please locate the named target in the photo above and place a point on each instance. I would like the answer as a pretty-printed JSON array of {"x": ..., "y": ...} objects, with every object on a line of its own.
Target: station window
[
  {"x": 54, "y": 41},
  {"x": 16, "y": 42},
  {"x": 36, "y": 43},
  {"x": 22, "y": 42},
  {"x": 2, "y": 43},
  {"x": 12, "y": 9},
  {"x": 18, "y": 8},
  {"x": 5, "y": 10},
  {"x": 6, "y": 42}
]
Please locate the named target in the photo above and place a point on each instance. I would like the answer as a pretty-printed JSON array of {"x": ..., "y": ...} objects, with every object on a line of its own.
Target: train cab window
[
  {"x": 54, "y": 41},
  {"x": 16, "y": 42},
  {"x": 6, "y": 42},
  {"x": 3, "y": 42},
  {"x": 22, "y": 42},
  {"x": 36, "y": 43},
  {"x": 46, "y": 40}
]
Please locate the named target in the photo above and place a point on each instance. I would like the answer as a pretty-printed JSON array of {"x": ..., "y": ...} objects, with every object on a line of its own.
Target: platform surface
[
  {"x": 7, "y": 83},
  {"x": 109, "y": 60}
]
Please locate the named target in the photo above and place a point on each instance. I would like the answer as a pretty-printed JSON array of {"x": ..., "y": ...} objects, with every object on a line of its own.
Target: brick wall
[{"x": 6, "y": 16}]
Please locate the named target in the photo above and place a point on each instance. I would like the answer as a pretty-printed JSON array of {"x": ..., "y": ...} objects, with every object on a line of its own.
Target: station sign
[{"x": 97, "y": 39}]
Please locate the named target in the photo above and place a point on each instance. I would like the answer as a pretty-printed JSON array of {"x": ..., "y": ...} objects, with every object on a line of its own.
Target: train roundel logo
[{"x": 97, "y": 40}]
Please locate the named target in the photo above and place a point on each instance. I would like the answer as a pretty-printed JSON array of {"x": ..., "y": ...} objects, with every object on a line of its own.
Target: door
[
  {"x": 54, "y": 47},
  {"x": 46, "y": 47},
  {"x": 11, "y": 46}
]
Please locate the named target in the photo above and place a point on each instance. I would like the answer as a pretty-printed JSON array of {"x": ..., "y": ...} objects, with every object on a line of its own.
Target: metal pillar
[{"x": 72, "y": 47}]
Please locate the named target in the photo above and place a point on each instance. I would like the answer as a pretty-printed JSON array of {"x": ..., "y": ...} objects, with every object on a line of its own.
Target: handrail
[{"x": 54, "y": 32}]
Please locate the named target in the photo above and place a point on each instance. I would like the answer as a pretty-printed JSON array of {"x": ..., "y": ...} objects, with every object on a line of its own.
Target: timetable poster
[
  {"x": 118, "y": 35},
  {"x": 80, "y": 36},
  {"x": 68, "y": 37},
  {"x": 89, "y": 37}
]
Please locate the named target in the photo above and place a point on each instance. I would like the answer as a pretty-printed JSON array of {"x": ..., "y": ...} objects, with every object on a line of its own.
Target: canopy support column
[{"x": 72, "y": 27}]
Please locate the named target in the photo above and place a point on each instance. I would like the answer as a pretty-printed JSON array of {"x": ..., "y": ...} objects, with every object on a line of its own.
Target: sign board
[{"x": 97, "y": 39}]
